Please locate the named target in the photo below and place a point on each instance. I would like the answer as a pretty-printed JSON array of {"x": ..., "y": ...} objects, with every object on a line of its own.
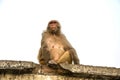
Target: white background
[{"x": 91, "y": 26}]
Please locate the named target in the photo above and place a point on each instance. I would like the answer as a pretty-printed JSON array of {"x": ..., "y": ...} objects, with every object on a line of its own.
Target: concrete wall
[
  {"x": 23, "y": 70},
  {"x": 39, "y": 77}
]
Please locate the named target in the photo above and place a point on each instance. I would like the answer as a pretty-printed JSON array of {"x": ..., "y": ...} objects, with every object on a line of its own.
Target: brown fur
[{"x": 55, "y": 48}]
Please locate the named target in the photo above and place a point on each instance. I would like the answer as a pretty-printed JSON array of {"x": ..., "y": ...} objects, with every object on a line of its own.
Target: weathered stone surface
[
  {"x": 10, "y": 66},
  {"x": 39, "y": 77},
  {"x": 24, "y": 70},
  {"x": 93, "y": 71}
]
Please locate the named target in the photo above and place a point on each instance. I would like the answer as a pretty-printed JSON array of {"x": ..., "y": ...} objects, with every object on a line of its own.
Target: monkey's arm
[
  {"x": 74, "y": 56},
  {"x": 72, "y": 51},
  {"x": 43, "y": 55}
]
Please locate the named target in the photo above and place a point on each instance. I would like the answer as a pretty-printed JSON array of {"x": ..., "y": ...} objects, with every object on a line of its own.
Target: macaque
[{"x": 55, "y": 48}]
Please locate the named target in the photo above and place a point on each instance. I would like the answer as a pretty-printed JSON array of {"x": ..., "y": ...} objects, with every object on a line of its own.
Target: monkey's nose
[{"x": 53, "y": 26}]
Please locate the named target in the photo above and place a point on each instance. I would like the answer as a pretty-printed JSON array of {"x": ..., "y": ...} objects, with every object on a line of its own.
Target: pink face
[{"x": 53, "y": 25}]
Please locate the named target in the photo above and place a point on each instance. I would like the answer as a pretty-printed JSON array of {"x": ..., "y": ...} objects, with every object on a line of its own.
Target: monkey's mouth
[{"x": 53, "y": 29}]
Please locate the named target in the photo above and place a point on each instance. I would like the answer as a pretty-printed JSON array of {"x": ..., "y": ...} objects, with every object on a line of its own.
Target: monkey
[{"x": 55, "y": 48}]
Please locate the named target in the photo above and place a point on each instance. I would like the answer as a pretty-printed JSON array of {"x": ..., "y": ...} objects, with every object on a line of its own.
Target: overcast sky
[{"x": 91, "y": 26}]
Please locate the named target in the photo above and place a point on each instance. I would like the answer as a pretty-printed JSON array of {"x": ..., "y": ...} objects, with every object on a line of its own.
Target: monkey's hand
[{"x": 53, "y": 64}]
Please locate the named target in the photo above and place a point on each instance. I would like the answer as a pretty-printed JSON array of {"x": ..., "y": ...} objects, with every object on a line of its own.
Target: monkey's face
[{"x": 53, "y": 27}]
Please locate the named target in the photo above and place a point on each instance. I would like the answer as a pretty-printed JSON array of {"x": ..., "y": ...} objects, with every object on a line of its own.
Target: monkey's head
[{"x": 54, "y": 27}]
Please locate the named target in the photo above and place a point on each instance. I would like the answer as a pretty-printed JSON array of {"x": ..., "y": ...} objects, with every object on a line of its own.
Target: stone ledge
[
  {"x": 10, "y": 66},
  {"x": 93, "y": 71},
  {"x": 78, "y": 71}
]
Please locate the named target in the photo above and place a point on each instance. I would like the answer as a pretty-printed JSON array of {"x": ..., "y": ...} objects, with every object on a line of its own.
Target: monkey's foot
[{"x": 53, "y": 64}]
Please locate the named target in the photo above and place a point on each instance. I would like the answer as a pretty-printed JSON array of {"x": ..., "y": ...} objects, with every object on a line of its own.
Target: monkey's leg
[{"x": 65, "y": 58}]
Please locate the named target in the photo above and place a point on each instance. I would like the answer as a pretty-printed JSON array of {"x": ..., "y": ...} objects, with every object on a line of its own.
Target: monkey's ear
[{"x": 48, "y": 27}]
